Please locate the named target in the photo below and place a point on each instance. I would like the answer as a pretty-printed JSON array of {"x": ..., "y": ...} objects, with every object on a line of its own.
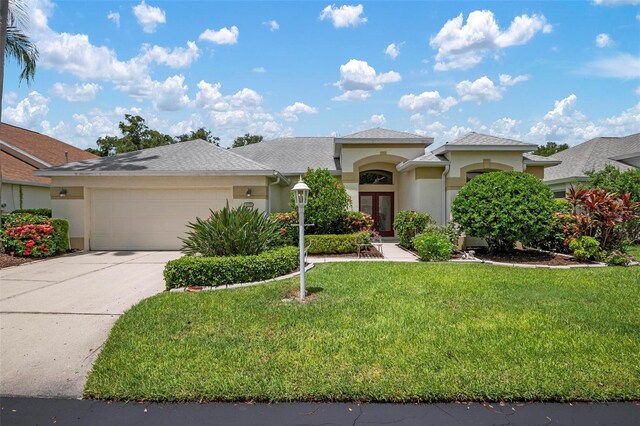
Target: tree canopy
[
  {"x": 613, "y": 180},
  {"x": 201, "y": 133},
  {"x": 550, "y": 148},
  {"x": 247, "y": 139}
]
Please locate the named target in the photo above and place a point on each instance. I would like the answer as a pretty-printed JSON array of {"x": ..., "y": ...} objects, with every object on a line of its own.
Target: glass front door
[{"x": 380, "y": 206}]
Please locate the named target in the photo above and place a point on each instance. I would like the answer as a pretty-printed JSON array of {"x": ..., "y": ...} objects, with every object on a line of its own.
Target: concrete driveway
[{"x": 56, "y": 314}]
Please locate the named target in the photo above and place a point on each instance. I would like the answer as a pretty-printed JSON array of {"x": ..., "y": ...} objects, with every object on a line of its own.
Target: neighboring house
[
  {"x": 22, "y": 152},
  {"x": 592, "y": 155},
  {"x": 144, "y": 199}
]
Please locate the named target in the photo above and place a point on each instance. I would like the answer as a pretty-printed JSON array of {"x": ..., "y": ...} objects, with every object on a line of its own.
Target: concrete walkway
[
  {"x": 390, "y": 250},
  {"x": 56, "y": 314}
]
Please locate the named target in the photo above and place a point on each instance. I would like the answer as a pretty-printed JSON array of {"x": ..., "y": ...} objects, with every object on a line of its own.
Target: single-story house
[
  {"x": 22, "y": 152},
  {"x": 592, "y": 155},
  {"x": 144, "y": 199}
]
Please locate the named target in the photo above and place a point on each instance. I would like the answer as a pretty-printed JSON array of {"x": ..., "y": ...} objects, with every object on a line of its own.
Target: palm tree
[{"x": 14, "y": 43}]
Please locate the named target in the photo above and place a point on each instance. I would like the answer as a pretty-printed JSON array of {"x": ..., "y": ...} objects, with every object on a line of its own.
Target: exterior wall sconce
[
  {"x": 248, "y": 194},
  {"x": 63, "y": 193}
]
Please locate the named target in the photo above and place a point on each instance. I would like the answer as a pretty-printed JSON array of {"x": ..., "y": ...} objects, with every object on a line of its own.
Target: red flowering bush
[
  {"x": 600, "y": 214},
  {"x": 29, "y": 235},
  {"x": 288, "y": 229}
]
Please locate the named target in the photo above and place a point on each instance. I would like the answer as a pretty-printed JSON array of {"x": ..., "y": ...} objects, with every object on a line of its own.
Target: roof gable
[{"x": 479, "y": 142}]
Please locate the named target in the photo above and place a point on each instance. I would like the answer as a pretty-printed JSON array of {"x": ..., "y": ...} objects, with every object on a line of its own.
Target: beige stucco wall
[{"x": 33, "y": 197}]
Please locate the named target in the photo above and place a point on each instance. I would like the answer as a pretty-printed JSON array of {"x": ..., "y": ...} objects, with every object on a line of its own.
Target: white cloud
[
  {"x": 272, "y": 24},
  {"x": 623, "y": 66},
  {"x": 344, "y": 16},
  {"x": 480, "y": 90},
  {"x": 291, "y": 112},
  {"x": 171, "y": 94},
  {"x": 637, "y": 91},
  {"x": 463, "y": 45},
  {"x": 392, "y": 50},
  {"x": 378, "y": 119},
  {"x": 114, "y": 17},
  {"x": 564, "y": 123},
  {"x": 178, "y": 57},
  {"x": 429, "y": 102},
  {"x": 10, "y": 98},
  {"x": 603, "y": 40},
  {"x": 222, "y": 36},
  {"x": 28, "y": 111},
  {"x": 149, "y": 17},
  {"x": 505, "y": 127},
  {"x": 59, "y": 131},
  {"x": 615, "y": 2},
  {"x": 507, "y": 80},
  {"x": 358, "y": 79},
  {"x": 626, "y": 123},
  {"x": 259, "y": 70},
  {"x": 76, "y": 93}
]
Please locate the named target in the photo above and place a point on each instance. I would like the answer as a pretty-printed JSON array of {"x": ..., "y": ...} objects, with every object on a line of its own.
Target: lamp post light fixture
[{"x": 301, "y": 194}]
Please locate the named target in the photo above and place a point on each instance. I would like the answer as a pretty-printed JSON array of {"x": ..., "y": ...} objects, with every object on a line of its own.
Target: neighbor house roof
[
  {"x": 293, "y": 156},
  {"x": 594, "y": 154},
  {"x": 539, "y": 160},
  {"x": 385, "y": 134},
  {"x": 479, "y": 141},
  {"x": 195, "y": 157},
  {"x": 24, "y": 151}
]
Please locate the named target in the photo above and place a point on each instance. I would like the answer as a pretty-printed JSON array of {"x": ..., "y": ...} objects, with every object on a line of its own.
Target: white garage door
[{"x": 148, "y": 219}]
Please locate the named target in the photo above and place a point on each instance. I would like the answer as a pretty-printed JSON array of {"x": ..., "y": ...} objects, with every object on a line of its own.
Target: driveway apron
[{"x": 56, "y": 314}]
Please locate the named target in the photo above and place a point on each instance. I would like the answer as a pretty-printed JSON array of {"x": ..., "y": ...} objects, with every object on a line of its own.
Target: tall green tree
[
  {"x": 247, "y": 139},
  {"x": 613, "y": 180},
  {"x": 201, "y": 133},
  {"x": 136, "y": 135},
  {"x": 550, "y": 148}
]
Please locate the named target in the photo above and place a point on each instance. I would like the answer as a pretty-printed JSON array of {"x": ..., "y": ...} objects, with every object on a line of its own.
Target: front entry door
[{"x": 380, "y": 206}]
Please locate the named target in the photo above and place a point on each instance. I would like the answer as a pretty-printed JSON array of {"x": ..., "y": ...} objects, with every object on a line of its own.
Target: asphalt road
[{"x": 33, "y": 411}]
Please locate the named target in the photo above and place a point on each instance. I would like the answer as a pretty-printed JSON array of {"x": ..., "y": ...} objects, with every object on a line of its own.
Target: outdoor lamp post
[{"x": 301, "y": 193}]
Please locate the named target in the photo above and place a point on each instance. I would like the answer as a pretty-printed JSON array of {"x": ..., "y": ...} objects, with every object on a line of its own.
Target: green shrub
[
  {"x": 408, "y": 224},
  {"x": 618, "y": 258},
  {"x": 215, "y": 271},
  {"x": 288, "y": 230},
  {"x": 449, "y": 230},
  {"x": 331, "y": 244},
  {"x": 328, "y": 200},
  {"x": 503, "y": 208},
  {"x": 29, "y": 235},
  {"x": 555, "y": 240},
  {"x": 433, "y": 246},
  {"x": 352, "y": 222},
  {"x": 585, "y": 248},
  {"x": 235, "y": 231},
  {"x": 38, "y": 212}
]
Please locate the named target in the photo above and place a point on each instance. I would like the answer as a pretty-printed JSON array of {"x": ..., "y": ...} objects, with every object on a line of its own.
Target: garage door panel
[{"x": 148, "y": 219}]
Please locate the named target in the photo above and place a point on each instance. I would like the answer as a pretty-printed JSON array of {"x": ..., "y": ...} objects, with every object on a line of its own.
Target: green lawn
[{"x": 386, "y": 332}]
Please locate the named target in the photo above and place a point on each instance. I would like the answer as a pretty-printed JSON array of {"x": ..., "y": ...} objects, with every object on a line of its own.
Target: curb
[{"x": 242, "y": 285}]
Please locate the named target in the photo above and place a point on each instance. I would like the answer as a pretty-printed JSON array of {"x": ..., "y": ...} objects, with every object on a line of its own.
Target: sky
[{"x": 563, "y": 71}]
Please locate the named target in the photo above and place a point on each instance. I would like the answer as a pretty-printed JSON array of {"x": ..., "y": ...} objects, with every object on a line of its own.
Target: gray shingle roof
[
  {"x": 474, "y": 138},
  {"x": 180, "y": 158},
  {"x": 380, "y": 133},
  {"x": 539, "y": 158},
  {"x": 593, "y": 154},
  {"x": 293, "y": 156}
]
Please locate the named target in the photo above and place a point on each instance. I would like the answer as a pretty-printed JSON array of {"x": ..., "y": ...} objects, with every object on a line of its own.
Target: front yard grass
[{"x": 385, "y": 332}]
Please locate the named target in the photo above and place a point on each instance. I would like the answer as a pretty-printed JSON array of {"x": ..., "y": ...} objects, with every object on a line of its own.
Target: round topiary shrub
[
  {"x": 433, "y": 246},
  {"x": 503, "y": 208}
]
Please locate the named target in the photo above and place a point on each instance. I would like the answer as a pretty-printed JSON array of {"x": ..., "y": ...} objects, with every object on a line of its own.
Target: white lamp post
[{"x": 301, "y": 193}]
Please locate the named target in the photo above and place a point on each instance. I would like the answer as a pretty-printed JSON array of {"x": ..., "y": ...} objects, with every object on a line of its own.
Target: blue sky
[{"x": 535, "y": 71}]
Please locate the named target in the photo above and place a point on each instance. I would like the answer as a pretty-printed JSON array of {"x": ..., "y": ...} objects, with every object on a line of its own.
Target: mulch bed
[
  {"x": 7, "y": 261},
  {"x": 529, "y": 257}
]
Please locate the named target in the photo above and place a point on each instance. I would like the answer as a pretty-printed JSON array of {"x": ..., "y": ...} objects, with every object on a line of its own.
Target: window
[
  {"x": 376, "y": 177},
  {"x": 559, "y": 194},
  {"x": 475, "y": 173}
]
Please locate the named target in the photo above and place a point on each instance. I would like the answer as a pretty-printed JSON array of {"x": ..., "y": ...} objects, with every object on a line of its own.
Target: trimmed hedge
[
  {"x": 216, "y": 271},
  {"x": 38, "y": 212},
  {"x": 331, "y": 244}
]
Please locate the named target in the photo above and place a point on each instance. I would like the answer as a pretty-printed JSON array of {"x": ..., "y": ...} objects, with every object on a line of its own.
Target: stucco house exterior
[
  {"x": 22, "y": 152},
  {"x": 592, "y": 155},
  {"x": 144, "y": 199}
]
